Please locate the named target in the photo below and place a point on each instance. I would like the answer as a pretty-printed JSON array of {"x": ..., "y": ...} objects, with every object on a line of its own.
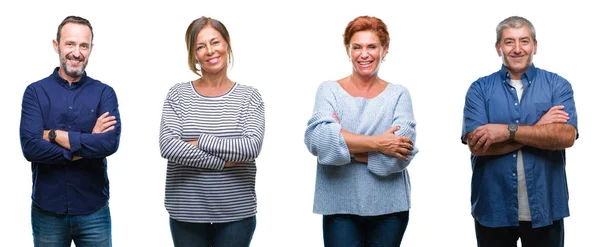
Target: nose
[
  {"x": 364, "y": 54},
  {"x": 209, "y": 49},
  {"x": 76, "y": 51},
  {"x": 518, "y": 48}
]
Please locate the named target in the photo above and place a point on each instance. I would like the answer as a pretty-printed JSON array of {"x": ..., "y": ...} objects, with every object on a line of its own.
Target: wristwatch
[
  {"x": 512, "y": 128},
  {"x": 52, "y": 136}
]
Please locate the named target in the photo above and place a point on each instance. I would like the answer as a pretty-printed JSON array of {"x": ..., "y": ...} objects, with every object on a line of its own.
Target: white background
[{"x": 286, "y": 50}]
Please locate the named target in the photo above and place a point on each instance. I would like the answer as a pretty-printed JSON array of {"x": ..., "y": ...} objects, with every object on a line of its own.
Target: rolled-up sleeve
[
  {"x": 323, "y": 135},
  {"x": 474, "y": 114},
  {"x": 382, "y": 164}
]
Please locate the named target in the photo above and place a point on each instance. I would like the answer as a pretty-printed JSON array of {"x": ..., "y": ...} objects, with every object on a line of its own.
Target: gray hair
[{"x": 514, "y": 22}]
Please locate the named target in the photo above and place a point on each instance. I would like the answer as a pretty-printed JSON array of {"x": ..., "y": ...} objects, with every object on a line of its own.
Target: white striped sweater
[{"x": 230, "y": 127}]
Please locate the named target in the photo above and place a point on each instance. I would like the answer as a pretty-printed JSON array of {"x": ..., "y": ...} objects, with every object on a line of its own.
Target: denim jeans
[
  {"x": 346, "y": 230},
  {"x": 547, "y": 236},
  {"x": 58, "y": 230},
  {"x": 230, "y": 234}
]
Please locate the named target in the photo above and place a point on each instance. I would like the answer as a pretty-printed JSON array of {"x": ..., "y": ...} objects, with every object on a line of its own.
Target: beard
[{"x": 73, "y": 72}]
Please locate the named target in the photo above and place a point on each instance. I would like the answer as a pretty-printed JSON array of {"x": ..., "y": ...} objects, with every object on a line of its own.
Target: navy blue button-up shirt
[
  {"x": 60, "y": 185},
  {"x": 491, "y": 99}
]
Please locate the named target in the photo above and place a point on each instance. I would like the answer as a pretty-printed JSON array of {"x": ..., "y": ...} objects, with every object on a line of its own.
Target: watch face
[{"x": 512, "y": 127}]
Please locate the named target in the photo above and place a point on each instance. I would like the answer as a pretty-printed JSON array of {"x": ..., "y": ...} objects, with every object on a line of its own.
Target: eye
[
  {"x": 200, "y": 47},
  {"x": 525, "y": 41},
  {"x": 508, "y": 42},
  {"x": 372, "y": 47},
  {"x": 69, "y": 44},
  {"x": 85, "y": 46},
  {"x": 215, "y": 42},
  {"x": 356, "y": 48}
]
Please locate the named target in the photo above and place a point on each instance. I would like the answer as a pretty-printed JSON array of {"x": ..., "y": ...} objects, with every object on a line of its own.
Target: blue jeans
[
  {"x": 346, "y": 230},
  {"x": 547, "y": 236},
  {"x": 230, "y": 234},
  {"x": 58, "y": 230}
]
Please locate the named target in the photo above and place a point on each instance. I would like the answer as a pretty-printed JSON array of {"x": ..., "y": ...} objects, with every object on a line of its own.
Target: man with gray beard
[{"x": 70, "y": 123}]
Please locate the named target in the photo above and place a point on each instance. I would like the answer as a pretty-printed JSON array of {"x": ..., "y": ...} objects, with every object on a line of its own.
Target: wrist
[
  {"x": 52, "y": 135},
  {"x": 512, "y": 130}
]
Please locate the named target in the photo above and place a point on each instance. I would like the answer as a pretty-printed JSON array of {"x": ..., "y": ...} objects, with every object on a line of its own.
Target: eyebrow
[{"x": 211, "y": 40}]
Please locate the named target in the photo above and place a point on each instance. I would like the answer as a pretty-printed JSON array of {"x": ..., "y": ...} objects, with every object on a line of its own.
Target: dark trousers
[
  {"x": 547, "y": 236},
  {"x": 346, "y": 230},
  {"x": 231, "y": 234}
]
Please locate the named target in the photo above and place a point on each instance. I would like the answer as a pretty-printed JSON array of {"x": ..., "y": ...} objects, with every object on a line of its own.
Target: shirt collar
[
  {"x": 526, "y": 77},
  {"x": 61, "y": 80}
]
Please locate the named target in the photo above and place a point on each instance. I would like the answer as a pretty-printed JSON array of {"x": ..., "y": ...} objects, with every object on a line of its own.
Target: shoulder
[
  {"x": 247, "y": 89},
  {"x": 397, "y": 88},
  {"x": 549, "y": 77},
  {"x": 180, "y": 87},
  {"x": 178, "y": 90},
  {"x": 329, "y": 85},
  {"x": 485, "y": 84},
  {"x": 98, "y": 85},
  {"x": 249, "y": 93}
]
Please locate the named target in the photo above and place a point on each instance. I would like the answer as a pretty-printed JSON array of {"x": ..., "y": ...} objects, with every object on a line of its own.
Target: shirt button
[
  {"x": 514, "y": 174},
  {"x": 69, "y": 126},
  {"x": 70, "y": 108},
  {"x": 517, "y": 121},
  {"x": 514, "y": 155},
  {"x": 512, "y": 88},
  {"x": 516, "y": 103}
]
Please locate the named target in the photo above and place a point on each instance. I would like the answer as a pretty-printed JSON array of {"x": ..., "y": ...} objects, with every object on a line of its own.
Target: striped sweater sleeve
[
  {"x": 247, "y": 147},
  {"x": 323, "y": 136},
  {"x": 382, "y": 164},
  {"x": 172, "y": 147}
]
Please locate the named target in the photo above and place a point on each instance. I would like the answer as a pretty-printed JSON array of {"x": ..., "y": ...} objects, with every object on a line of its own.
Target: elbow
[
  {"x": 164, "y": 151},
  {"x": 30, "y": 156}
]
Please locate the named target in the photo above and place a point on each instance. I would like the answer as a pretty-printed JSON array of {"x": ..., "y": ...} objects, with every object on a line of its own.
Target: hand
[
  {"x": 230, "y": 164},
  {"x": 393, "y": 145},
  {"x": 104, "y": 123},
  {"x": 556, "y": 114},
  {"x": 75, "y": 157},
  {"x": 195, "y": 142},
  {"x": 335, "y": 116},
  {"x": 484, "y": 136}
]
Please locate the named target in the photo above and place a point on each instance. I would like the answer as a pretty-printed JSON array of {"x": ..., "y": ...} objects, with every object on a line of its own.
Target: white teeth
[{"x": 364, "y": 63}]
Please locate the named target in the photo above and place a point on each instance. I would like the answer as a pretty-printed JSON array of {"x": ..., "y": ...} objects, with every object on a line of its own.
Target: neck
[
  {"x": 215, "y": 80},
  {"x": 362, "y": 82}
]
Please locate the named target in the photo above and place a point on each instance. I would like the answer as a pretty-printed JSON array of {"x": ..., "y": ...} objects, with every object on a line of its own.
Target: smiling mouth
[
  {"x": 213, "y": 60},
  {"x": 365, "y": 63}
]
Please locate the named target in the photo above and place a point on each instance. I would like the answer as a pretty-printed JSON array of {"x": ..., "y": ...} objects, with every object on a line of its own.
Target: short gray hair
[{"x": 514, "y": 22}]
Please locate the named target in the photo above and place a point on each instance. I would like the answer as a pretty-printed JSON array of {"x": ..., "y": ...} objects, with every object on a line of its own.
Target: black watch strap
[{"x": 52, "y": 136}]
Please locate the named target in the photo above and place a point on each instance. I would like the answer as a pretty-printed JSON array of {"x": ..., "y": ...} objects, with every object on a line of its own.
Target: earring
[{"x": 383, "y": 59}]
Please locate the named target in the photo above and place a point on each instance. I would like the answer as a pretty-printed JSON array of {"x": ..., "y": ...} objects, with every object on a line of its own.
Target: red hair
[{"x": 367, "y": 23}]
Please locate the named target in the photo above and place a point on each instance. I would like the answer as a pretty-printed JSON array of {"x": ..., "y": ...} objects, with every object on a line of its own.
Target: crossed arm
[
  {"x": 69, "y": 146},
  {"x": 208, "y": 151},
  {"x": 550, "y": 133}
]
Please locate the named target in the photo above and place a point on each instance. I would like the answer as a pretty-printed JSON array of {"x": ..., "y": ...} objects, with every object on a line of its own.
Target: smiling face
[
  {"x": 516, "y": 47},
  {"x": 366, "y": 53},
  {"x": 211, "y": 50},
  {"x": 73, "y": 48}
]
